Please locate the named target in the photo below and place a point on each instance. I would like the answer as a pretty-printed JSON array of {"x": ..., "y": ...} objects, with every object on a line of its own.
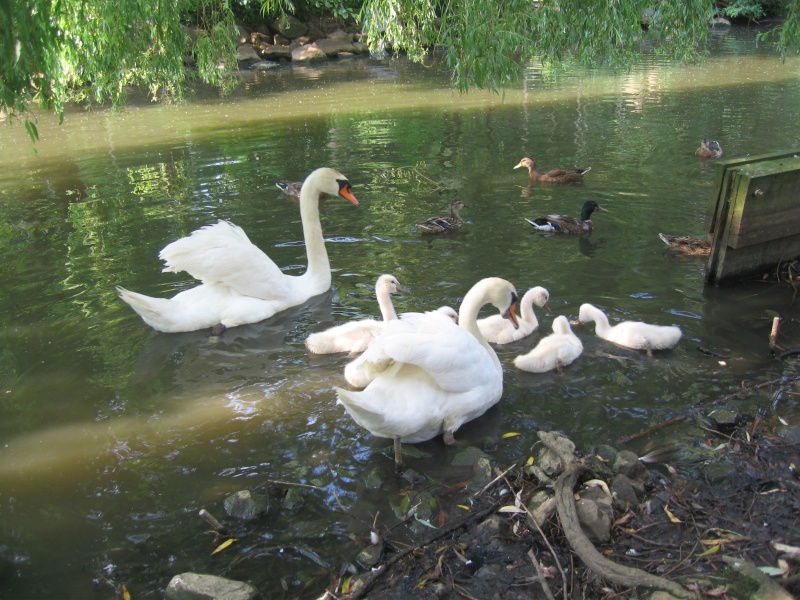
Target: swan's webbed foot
[
  {"x": 449, "y": 438},
  {"x": 398, "y": 455},
  {"x": 217, "y": 329}
]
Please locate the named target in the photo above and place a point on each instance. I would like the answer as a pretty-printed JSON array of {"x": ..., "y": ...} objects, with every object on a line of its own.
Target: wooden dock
[{"x": 753, "y": 219}]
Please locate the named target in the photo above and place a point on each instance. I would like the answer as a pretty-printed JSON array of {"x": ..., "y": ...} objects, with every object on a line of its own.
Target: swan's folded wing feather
[
  {"x": 222, "y": 253},
  {"x": 448, "y": 353}
]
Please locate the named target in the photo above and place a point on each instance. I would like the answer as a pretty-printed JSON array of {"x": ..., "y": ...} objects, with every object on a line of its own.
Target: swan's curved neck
[
  {"x": 319, "y": 267},
  {"x": 601, "y": 324},
  {"x": 385, "y": 303},
  {"x": 468, "y": 318},
  {"x": 526, "y": 311}
]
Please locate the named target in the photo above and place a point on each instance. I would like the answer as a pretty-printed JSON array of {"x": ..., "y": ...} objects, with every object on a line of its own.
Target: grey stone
[
  {"x": 370, "y": 556},
  {"x": 628, "y": 464},
  {"x": 245, "y": 505},
  {"x": 623, "y": 493},
  {"x": 276, "y": 52},
  {"x": 290, "y": 27},
  {"x": 246, "y": 52},
  {"x": 198, "y": 586},
  {"x": 308, "y": 52},
  {"x": 468, "y": 457},
  {"x": 595, "y": 520},
  {"x": 333, "y": 47}
]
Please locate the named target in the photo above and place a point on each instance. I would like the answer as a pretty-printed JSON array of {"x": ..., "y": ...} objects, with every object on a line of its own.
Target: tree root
[{"x": 568, "y": 515}]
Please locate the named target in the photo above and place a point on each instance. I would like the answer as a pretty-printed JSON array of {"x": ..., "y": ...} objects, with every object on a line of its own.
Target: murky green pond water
[{"x": 114, "y": 436}]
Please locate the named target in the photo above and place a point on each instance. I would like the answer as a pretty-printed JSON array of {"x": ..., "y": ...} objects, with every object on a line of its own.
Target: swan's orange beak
[
  {"x": 346, "y": 192},
  {"x": 511, "y": 314}
]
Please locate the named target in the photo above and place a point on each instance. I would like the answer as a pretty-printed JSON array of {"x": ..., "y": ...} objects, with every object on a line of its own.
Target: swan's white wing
[
  {"x": 449, "y": 355},
  {"x": 222, "y": 253}
]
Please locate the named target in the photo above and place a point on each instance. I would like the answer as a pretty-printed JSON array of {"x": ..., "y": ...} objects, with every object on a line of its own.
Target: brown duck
[
  {"x": 444, "y": 224},
  {"x": 685, "y": 244},
  {"x": 553, "y": 175},
  {"x": 709, "y": 149}
]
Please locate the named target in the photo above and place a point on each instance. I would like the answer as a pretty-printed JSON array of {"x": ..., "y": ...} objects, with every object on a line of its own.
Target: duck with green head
[{"x": 565, "y": 223}]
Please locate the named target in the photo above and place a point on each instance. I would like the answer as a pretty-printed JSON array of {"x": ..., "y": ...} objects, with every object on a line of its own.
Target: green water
[{"x": 115, "y": 436}]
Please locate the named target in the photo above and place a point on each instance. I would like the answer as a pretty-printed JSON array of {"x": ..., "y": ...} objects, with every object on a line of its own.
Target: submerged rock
[
  {"x": 245, "y": 505},
  {"x": 198, "y": 586}
]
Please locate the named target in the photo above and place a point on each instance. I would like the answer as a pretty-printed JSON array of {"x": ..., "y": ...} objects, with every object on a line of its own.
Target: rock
[
  {"x": 627, "y": 463},
  {"x": 790, "y": 433},
  {"x": 243, "y": 35},
  {"x": 290, "y": 27},
  {"x": 606, "y": 452},
  {"x": 308, "y": 52},
  {"x": 595, "y": 514},
  {"x": 374, "y": 480},
  {"x": 483, "y": 474},
  {"x": 293, "y": 500},
  {"x": 246, "y": 52},
  {"x": 197, "y": 586},
  {"x": 724, "y": 418},
  {"x": 721, "y": 22},
  {"x": 245, "y": 505},
  {"x": 333, "y": 47},
  {"x": 468, "y": 457},
  {"x": 370, "y": 556},
  {"x": 340, "y": 35},
  {"x": 623, "y": 493},
  {"x": 276, "y": 53}
]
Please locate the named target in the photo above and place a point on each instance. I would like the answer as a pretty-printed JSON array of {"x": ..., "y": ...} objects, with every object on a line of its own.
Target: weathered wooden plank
[{"x": 753, "y": 218}]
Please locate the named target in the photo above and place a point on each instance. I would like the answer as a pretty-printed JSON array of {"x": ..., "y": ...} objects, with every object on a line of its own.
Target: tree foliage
[{"x": 58, "y": 51}]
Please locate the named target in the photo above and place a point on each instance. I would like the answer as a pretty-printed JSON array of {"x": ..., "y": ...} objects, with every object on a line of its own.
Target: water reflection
[{"x": 114, "y": 436}]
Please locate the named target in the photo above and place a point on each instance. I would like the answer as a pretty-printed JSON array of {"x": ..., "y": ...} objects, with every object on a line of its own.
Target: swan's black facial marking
[{"x": 346, "y": 191}]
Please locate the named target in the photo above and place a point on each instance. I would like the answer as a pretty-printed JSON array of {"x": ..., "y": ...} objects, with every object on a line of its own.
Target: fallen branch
[{"x": 591, "y": 557}]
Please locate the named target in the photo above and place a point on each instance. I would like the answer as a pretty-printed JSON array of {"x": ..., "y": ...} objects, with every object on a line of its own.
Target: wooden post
[{"x": 753, "y": 219}]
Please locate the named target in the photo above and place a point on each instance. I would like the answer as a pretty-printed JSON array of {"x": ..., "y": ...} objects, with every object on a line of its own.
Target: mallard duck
[
  {"x": 290, "y": 188},
  {"x": 442, "y": 224},
  {"x": 686, "y": 244},
  {"x": 355, "y": 336},
  {"x": 709, "y": 149},
  {"x": 553, "y": 175},
  {"x": 498, "y": 330},
  {"x": 567, "y": 224},
  {"x": 557, "y": 350},
  {"x": 241, "y": 284},
  {"x": 631, "y": 334},
  {"x": 430, "y": 376}
]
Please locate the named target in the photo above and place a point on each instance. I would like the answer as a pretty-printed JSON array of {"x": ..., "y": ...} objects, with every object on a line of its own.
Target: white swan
[
  {"x": 429, "y": 375},
  {"x": 355, "y": 336},
  {"x": 498, "y": 330},
  {"x": 631, "y": 334},
  {"x": 241, "y": 284},
  {"x": 557, "y": 350},
  {"x": 358, "y": 372}
]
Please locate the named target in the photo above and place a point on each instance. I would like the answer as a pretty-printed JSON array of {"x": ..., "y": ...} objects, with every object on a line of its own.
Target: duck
[
  {"x": 444, "y": 224},
  {"x": 290, "y": 188},
  {"x": 709, "y": 149},
  {"x": 686, "y": 244},
  {"x": 567, "y": 224},
  {"x": 557, "y": 350},
  {"x": 631, "y": 334},
  {"x": 498, "y": 330},
  {"x": 553, "y": 175},
  {"x": 355, "y": 336},
  {"x": 430, "y": 375},
  {"x": 240, "y": 284}
]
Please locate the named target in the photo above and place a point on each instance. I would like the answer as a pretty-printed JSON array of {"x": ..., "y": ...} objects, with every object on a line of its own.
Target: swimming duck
[
  {"x": 239, "y": 283},
  {"x": 686, "y": 244},
  {"x": 709, "y": 149},
  {"x": 553, "y": 175},
  {"x": 355, "y": 336},
  {"x": 430, "y": 376},
  {"x": 290, "y": 188},
  {"x": 567, "y": 224},
  {"x": 557, "y": 350},
  {"x": 442, "y": 224},
  {"x": 498, "y": 330},
  {"x": 631, "y": 334}
]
